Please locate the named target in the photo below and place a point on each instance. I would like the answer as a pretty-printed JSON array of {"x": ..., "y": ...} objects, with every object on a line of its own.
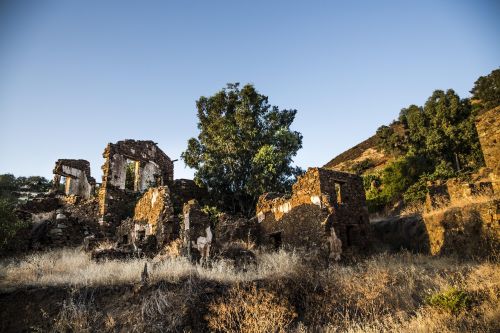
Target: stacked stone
[
  {"x": 114, "y": 201},
  {"x": 82, "y": 165},
  {"x": 488, "y": 130},
  {"x": 233, "y": 228},
  {"x": 197, "y": 227},
  {"x": 183, "y": 190},
  {"x": 322, "y": 199}
]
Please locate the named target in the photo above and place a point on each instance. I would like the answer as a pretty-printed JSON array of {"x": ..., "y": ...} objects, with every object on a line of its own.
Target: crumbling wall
[
  {"x": 78, "y": 180},
  {"x": 155, "y": 211},
  {"x": 152, "y": 167},
  {"x": 457, "y": 191},
  {"x": 183, "y": 190},
  {"x": 321, "y": 199},
  {"x": 153, "y": 217},
  {"x": 198, "y": 230},
  {"x": 53, "y": 224},
  {"x": 469, "y": 231},
  {"x": 231, "y": 229},
  {"x": 488, "y": 130}
]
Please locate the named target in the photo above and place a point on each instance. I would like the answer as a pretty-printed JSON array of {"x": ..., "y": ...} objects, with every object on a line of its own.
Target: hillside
[{"x": 366, "y": 156}]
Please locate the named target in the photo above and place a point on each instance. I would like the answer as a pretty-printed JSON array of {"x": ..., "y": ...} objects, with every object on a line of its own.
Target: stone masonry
[
  {"x": 151, "y": 167},
  {"x": 326, "y": 207},
  {"x": 488, "y": 129},
  {"x": 198, "y": 231},
  {"x": 78, "y": 180},
  {"x": 153, "y": 216}
]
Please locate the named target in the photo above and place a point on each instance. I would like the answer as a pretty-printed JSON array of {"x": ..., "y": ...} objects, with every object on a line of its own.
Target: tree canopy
[
  {"x": 442, "y": 130},
  {"x": 245, "y": 147},
  {"x": 430, "y": 142},
  {"x": 486, "y": 91}
]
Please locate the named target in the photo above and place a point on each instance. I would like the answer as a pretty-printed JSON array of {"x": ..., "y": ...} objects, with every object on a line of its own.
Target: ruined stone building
[
  {"x": 140, "y": 206},
  {"x": 325, "y": 207},
  {"x": 197, "y": 231},
  {"x": 130, "y": 167},
  {"x": 152, "y": 222},
  {"x": 78, "y": 181}
]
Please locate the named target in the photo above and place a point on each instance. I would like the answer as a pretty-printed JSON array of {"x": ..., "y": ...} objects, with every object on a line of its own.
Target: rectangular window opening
[
  {"x": 130, "y": 175},
  {"x": 338, "y": 192}
]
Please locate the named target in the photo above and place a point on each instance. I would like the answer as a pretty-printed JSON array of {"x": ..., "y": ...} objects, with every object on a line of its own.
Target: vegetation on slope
[
  {"x": 11, "y": 188},
  {"x": 438, "y": 141}
]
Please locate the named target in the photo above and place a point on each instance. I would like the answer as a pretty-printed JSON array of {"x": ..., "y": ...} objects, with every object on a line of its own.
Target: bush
[
  {"x": 250, "y": 310},
  {"x": 376, "y": 200},
  {"x": 360, "y": 167},
  {"x": 9, "y": 223},
  {"x": 371, "y": 180},
  {"x": 164, "y": 310},
  {"x": 213, "y": 213},
  {"x": 452, "y": 300},
  {"x": 416, "y": 193}
]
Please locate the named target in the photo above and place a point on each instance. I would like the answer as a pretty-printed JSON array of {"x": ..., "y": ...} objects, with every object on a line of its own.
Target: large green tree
[{"x": 245, "y": 147}]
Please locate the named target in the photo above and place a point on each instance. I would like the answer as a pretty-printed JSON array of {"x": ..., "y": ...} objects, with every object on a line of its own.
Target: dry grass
[
  {"x": 77, "y": 314},
  {"x": 72, "y": 267},
  {"x": 250, "y": 310},
  {"x": 385, "y": 293},
  {"x": 390, "y": 293}
]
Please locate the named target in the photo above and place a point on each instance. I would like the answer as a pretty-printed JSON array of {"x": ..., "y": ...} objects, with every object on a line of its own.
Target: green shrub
[
  {"x": 417, "y": 192},
  {"x": 376, "y": 200},
  {"x": 9, "y": 223},
  {"x": 213, "y": 213},
  {"x": 452, "y": 300},
  {"x": 360, "y": 167},
  {"x": 371, "y": 180}
]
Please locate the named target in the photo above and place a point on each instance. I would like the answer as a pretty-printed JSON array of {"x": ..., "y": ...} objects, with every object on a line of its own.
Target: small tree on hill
[
  {"x": 245, "y": 147},
  {"x": 486, "y": 91}
]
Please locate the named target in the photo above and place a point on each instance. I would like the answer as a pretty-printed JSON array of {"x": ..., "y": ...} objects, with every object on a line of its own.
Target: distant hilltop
[{"x": 364, "y": 157}]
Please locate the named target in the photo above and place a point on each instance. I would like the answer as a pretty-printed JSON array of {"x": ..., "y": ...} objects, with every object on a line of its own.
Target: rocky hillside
[{"x": 364, "y": 157}]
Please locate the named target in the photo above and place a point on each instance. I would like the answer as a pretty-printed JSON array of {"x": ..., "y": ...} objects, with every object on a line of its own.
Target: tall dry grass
[
  {"x": 73, "y": 267},
  {"x": 384, "y": 293}
]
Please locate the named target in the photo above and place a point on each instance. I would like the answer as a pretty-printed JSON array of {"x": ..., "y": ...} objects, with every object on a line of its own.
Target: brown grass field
[{"x": 285, "y": 291}]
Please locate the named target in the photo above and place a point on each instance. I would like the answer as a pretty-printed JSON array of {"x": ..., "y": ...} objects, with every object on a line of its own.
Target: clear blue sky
[{"x": 75, "y": 75}]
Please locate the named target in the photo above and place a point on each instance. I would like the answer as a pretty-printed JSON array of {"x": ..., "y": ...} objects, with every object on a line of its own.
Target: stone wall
[
  {"x": 321, "y": 200},
  {"x": 197, "y": 231},
  {"x": 78, "y": 180},
  {"x": 153, "y": 217},
  {"x": 469, "y": 231},
  {"x": 183, "y": 190},
  {"x": 488, "y": 129},
  {"x": 455, "y": 191},
  {"x": 152, "y": 167}
]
